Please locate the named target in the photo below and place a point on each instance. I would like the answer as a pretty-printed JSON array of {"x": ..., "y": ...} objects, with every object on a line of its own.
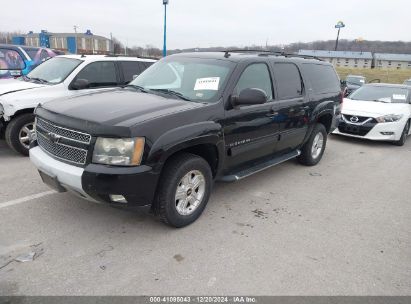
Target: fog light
[
  {"x": 387, "y": 133},
  {"x": 118, "y": 198}
]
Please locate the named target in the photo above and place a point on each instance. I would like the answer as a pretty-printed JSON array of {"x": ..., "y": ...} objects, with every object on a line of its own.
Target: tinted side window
[
  {"x": 130, "y": 68},
  {"x": 44, "y": 55},
  {"x": 323, "y": 78},
  {"x": 11, "y": 60},
  {"x": 147, "y": 64},
  {"x": 288, "y": 80},
  {"x": 256, "y": 76},
  {"x": 99, "y": 74}
]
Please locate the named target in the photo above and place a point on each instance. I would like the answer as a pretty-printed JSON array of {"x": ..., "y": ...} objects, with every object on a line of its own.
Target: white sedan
[{"x": 377, "y": 112}]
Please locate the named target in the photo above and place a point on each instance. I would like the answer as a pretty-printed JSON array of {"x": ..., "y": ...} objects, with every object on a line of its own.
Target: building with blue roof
[
  {"x": 342, "y": 58},
  {"x": 394, "y": 61}
]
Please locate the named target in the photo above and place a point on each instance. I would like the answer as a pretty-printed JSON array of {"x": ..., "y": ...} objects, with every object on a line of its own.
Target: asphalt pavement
[{"x": 342, "y": 227}]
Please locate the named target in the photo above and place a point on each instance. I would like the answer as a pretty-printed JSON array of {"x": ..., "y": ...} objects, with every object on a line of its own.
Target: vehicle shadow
[{"x": 6, "y": 152}]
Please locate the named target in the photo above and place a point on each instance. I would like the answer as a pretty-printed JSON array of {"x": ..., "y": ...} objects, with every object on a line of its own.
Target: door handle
[{"x": 272, "y": 113}]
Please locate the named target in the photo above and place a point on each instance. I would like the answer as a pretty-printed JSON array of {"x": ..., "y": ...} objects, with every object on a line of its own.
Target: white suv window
[{"x": 99, "y": 74}]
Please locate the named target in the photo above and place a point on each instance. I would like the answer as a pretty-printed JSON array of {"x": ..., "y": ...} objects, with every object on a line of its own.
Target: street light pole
[
  {"x": 165, "y": 2},
  {"x": 338, "y": 26}
]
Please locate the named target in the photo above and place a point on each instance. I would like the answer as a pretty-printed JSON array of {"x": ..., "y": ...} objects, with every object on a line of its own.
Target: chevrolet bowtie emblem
[{"x": 53, "y": 137}]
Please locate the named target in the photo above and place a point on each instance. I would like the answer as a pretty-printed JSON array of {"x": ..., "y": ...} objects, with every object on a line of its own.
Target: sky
[{"x": 207, "y": 23}]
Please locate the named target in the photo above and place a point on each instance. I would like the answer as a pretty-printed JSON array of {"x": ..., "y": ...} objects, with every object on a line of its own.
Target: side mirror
[
  {"x": 343, "y": 83},
  {"x": 249, "y": 97},
  {"x": 80, "y": 84}
]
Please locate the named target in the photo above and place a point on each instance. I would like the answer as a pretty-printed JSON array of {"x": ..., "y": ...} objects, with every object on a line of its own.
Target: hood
[
  {"x": 371, "y": 108},
  {"x": 8, "y": 86},
  {"x": 118, "y": 107}
]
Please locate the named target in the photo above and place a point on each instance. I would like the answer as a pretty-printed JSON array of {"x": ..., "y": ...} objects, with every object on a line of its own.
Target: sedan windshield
[
  {"x": 192, "y": 79},
  {"x": 355, "y": 80},
  {"x": 381, "y": 94},
  {"x": 54, "y": 70}
]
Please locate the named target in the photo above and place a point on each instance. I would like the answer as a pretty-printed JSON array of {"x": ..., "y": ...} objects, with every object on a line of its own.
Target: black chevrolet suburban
[{"x": 188, "y": 120}]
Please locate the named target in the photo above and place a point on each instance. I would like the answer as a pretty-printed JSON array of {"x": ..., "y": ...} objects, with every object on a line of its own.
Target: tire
[
  {"x": 16, "y": 130},
  {"x": 177, "y": 176},
  {"x": 311, "y": 156},
  {"x": 404, "y": 135}
]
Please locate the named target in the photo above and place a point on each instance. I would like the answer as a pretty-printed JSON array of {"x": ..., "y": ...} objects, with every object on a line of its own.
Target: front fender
[{"x": 184, "y": 137}]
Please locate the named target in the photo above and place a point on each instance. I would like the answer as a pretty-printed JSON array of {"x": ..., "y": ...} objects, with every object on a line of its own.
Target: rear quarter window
[{"x": 321, "y": 78}]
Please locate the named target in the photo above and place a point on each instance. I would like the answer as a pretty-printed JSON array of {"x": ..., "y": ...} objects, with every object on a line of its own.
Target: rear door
[{"x": 291, "y": 107}]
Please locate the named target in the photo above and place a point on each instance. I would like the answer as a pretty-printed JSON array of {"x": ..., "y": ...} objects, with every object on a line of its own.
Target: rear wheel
[
  {"x": 313, "y": 149},
  {"x": 404, "y": 135},
  {"x": 184, "y": 190},
  {"x": 18, "y": 133}
]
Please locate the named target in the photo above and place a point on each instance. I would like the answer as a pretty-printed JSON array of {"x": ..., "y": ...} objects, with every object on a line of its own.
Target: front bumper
[
  {"x": 376, "y": 132},
  {"x": 98, "y": 182}
]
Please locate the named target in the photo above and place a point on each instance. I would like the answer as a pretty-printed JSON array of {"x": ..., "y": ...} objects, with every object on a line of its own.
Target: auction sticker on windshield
[
  {"x": 399, "y": 97},
  {"x": 210, "y": 83}
]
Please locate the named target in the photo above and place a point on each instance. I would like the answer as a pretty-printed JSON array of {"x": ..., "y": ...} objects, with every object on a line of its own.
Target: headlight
[
  {"x": 119, "y": 151},
  {"x": 389, "y": 118}
]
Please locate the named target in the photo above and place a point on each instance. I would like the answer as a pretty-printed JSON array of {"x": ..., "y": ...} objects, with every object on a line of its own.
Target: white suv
[{"x": 61, "y": 76}]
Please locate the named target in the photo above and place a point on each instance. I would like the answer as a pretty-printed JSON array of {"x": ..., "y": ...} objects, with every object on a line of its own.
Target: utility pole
[
  {"x": 338, "y": 26},
  {"x": 75, "y": 38},
  {"x": 165, "y": 2}
]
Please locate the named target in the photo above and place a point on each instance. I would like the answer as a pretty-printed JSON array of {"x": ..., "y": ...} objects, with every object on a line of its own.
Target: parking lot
[{"x": 340, "y": 228}]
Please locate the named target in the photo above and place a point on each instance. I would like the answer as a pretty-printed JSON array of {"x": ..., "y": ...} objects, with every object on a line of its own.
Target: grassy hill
[{"x": 386, "y": 75}]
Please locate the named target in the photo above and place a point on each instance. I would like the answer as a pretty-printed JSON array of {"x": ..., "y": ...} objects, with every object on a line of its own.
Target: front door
[{"x": 251, "y": 131}]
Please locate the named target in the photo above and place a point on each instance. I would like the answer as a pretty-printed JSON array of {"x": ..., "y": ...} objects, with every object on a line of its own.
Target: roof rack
[
  {"x": 270, "y": 53},
  {"x": 139, "y": 57}
]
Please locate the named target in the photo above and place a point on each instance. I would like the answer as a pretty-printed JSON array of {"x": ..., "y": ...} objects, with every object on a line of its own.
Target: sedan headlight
[
  {"x": 389, "y": 118},
  {"x": 119, "y": 151}
]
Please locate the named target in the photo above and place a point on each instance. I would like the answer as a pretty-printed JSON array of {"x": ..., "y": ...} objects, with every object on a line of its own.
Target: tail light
[{"x": 343, "y": 93}]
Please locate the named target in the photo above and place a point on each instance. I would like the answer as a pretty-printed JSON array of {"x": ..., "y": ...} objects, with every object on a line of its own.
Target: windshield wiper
[
  {"x": 376, "y": 100},
  {"x": 38, "y": 79},
  {"x": 171, "y": 92},
  {"x": 137, "y": 87}
]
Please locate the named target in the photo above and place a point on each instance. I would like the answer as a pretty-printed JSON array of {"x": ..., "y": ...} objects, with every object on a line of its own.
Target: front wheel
[
  {"x": 184, "y": 190},
  {"x": 18, "y": 133},
  {"x": 313, "y": 149},
  {"x": 404, "y": 135}
]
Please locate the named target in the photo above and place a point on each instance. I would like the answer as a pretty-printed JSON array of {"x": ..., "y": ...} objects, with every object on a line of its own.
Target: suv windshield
[
  {"x": 381, "y": 94},
  {"x": 192, "y": 79},
  {"x": 355, "y": 80},
  {"x": 54, "y": 70}
]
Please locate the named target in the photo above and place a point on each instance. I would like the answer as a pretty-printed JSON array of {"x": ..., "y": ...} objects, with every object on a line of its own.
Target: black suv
[{"x": 186, "y": 121}]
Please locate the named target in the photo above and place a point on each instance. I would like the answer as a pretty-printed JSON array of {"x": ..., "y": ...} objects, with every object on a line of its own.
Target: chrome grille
[
  {"x": 65, "y": 144},
  {"x": 67, "y": 133}
]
